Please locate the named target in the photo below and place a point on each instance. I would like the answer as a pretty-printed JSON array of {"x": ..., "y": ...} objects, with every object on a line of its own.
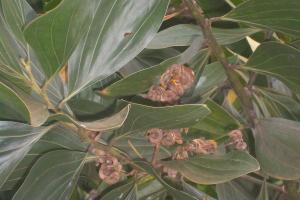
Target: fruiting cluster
[
  {"x": 164, "y": 137},
  {"x": 110, "y": 170},
  {"x": 173, "y": 83},
  {"x": 236, "y": 140}
]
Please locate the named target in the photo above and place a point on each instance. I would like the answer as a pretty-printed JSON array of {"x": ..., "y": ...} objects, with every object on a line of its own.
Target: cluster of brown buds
[
  {"x": 110, "y": 168},
  {"x": 196, "y": 146},
  {"x": 236, "y": 140},
  {"x": 165, "y": 137},
  {"x": 173, "y": 83}
]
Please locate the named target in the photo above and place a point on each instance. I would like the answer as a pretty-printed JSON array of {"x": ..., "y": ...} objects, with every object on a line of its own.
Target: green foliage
[{"x": 78, "y": 119}]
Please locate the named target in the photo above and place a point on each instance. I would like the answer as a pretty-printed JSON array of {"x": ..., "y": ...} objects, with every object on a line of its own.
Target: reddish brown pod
[{"x": 236, "y": 140}]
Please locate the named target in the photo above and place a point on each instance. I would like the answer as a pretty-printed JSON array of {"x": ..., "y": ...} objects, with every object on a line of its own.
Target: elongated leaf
[
  {"x": 279, "y": 16},
  {"x": 128, "y": 25},
  {"x": 263, "y": 194},
  {"x": 236, "y": 190},
  {"x": 109, "y": 123},
  {"x": 142, "y": 80},
  {"x": 127, "y": 191},
  {"x": 32, "y": 110},
  {"x": 219, "y": 122},
  {"x": 184, "y": 34},
  {"x": 277, "y": 147},
  {"x": 174, "y": 192},
  {"x": 55, "y": 35},
  {"x": 56, "y": 139},
  {"x": 213, "y": 169},
  {"x": 17, "y": 14},
  {"x": 55, "y": 174},
  {"x": 16, "y": 140},
  {"x": 143, "y": 117},
  {"x": 278, "y": 60}
]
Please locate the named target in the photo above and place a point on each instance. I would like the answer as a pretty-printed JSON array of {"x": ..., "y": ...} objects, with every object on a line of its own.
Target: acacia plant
[{"x": 149, "y": 99}]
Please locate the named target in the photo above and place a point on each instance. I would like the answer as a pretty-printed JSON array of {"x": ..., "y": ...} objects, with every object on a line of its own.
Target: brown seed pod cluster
[
  {"x": 173, "y": 83},
  {"x": 164, "y": 137},
  {"x": 236, "y": 140},
  {"x": 110, "y": 169}
]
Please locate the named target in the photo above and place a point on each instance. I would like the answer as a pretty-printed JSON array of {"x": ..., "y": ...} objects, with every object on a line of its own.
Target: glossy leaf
[
  {"x": 278, "y": 60},
  {"x": 184, "y": 34},
  {"x": 142, "y": 80},
  {"x": 109, "y": 123},
  {"x": 127, "y": 191},
  {"x": 128, "y": 25},
  {"x": 30, "y": 109},
  {"x": 236, "y": 190},
  {"x": 277, "y": 147},
  {"x": 277, "y": 16},
  {"x": 55, "y": 174},
  {"x": 143, "y": 117},
  {"x": 174, "y": 192},
  {"x": 219, "y": 122},
  {"x": 17, "y": 13},
  {"x": 213, "y": 169},
  {"x": 57, "y": 138},
  {"x": 55, "y": 35},
  {"x": 16, "y": 140}
]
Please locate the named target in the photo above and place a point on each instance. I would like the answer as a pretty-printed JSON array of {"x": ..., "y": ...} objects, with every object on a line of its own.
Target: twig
[
  {"x": 218, "y": 52},
  {"x": 155, "y": 155}
]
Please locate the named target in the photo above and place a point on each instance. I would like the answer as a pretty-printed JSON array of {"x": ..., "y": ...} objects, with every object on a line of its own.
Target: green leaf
[
  {"x": 219, "y": 122},
  {"x": 57, "y": 138},
  {"x": 31, "y": 110},
  {"x": 278, "y": 60},
  {"x": 109, "y": 123},
  {"x": 263, "y": 194},
  {"x": 213, "y": 169},
  {"x": 174, "y": 192},
  {"x": 53, "y": 176},
  {"x": 284, "y": 106},
  {"x": 211, "y": 78},
  {"x": 127, "y": 191},
  {"x": 277, "y": 147},
  {"x": 143, "y": 117},
  {"x": 16, "y": 140},
  {"x": 184, "y": 34},
  {"x": 278, "y": 16},
  {"x": 236, "y": 190},
  {"x": 55, "y": 35},
  {"x": 142, "y": 80},
  {"x": 96, "y": 58},
  {"x": 17, "y": 13}
]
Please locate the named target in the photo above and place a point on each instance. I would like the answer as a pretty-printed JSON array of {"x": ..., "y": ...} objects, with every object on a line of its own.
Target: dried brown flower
[
  {"x": 202, "y": 146},
  {"x": 181, "y": 153},
  {"x": 236, "y": 140},
  {"x": 170, "y": 172},
  {"x": 155, "y": 135},
  {"x": 174, "y": 82},
  {"x": 172, "y": 137},
  {"x": 110, "y": 169}
]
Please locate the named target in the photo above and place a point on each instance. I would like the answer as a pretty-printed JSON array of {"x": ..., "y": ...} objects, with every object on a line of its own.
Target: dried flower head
[
  {"x": 236, "y": 140},
  {"x": 110, "y": 169},
  {"x": 178, "y": 75},
  {"x": 170, "y": 172},
  {"x": 160, "y": 94},
  {"x": 171, "y": 137},
  {"x": 202, "y": 146},
  {"x": 181, "y": 153},
  {"x": 155, "y": 135},
  {"x": 174, "y": 82}
]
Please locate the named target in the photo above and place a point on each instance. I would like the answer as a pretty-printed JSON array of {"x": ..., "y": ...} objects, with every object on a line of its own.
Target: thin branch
[{"x": 219, "y": 53}]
